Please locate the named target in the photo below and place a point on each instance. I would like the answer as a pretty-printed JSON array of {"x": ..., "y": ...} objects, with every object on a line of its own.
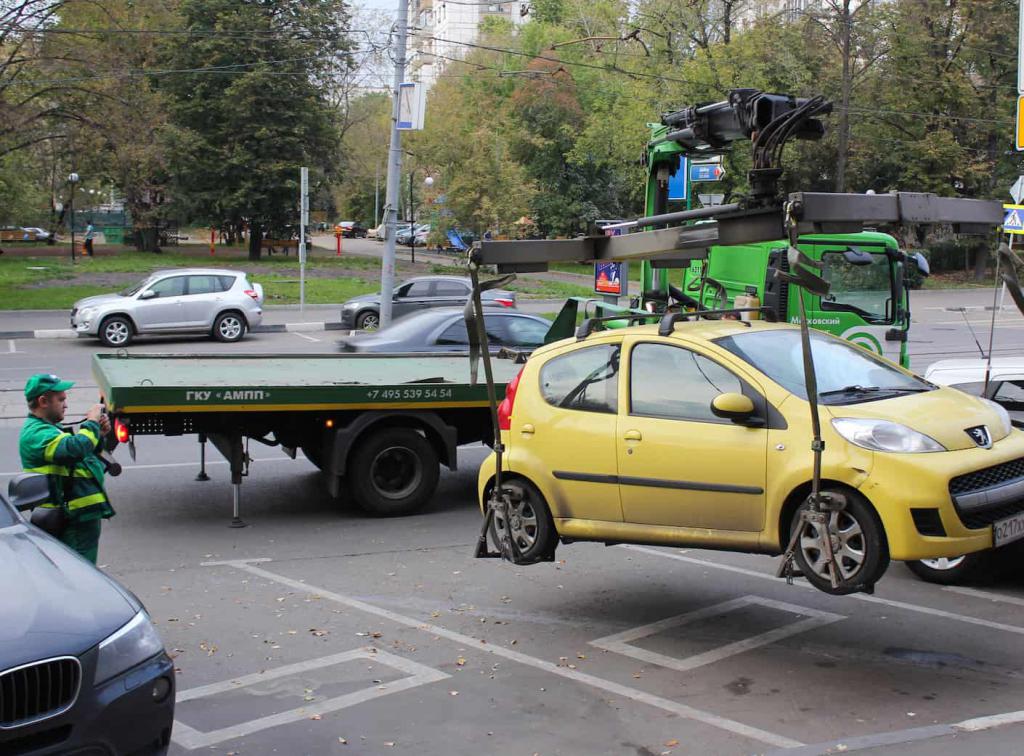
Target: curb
[{"x": 67, "y": 333}]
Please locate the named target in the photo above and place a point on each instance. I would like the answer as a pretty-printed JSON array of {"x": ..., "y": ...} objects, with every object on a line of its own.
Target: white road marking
[
  {"x": 986, "y": 595},
  {"x": 304, "y": 336},
  {"x": 128, "y": 467},
  {"x": 190, "y": 738},
  {"x": 673, "y": 707},
  {"x": 11, "y": 347},
  {"x": 858, "y": 596},
  {"x": 620, "y": 643}
]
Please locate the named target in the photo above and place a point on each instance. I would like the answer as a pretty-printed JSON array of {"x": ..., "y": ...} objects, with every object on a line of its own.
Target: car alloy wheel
[
  {"x": 116, "y": 332},
  {"x": 368, "y": 321},
  {"x": 943, "y": 563},
  {"x": 230, "y": 327}
]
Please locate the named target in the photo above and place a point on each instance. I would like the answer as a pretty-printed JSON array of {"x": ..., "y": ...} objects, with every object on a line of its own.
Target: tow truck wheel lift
[{"x": 768, "y": 120}]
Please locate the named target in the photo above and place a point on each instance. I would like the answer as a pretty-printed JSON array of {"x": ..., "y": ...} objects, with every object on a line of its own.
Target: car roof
[
  {"x": 460, "y": 279},
  {"x": 197, "y": 271},
  {"x": 954, "y": 372}
]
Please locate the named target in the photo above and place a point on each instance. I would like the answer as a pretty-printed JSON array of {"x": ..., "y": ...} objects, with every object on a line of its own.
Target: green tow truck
[{"x": 377, "y": 426}]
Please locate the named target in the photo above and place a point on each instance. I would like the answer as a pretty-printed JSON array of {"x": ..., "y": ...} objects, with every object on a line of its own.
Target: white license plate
[{"x": 1008, "y": 530}]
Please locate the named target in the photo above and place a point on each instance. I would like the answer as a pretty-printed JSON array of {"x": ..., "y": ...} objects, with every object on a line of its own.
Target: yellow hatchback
[{"x": 700, "y": 437}]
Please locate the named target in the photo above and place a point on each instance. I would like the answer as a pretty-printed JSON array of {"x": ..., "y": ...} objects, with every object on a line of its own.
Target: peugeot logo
[{"x": 979, "y": 434}]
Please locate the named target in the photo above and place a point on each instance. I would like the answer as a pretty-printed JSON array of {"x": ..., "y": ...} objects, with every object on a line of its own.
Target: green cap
[{"x": 40, "y": 383}]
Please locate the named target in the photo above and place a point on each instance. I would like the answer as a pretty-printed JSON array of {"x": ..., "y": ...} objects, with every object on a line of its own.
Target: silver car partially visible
[{"x": 220, "y": 302}]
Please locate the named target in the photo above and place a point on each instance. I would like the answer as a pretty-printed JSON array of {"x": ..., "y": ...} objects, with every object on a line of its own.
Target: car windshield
[
  {"x": 860, "y": 282},
  {"x": 7, "y": 515},
  {"x": 846, "y": 374},
  {"x": 135, "y": 288}
]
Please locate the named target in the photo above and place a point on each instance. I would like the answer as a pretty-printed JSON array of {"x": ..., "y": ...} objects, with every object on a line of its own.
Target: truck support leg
[
  {"x": 231, "y": 447},
  {"x": 202, "y": 477}
]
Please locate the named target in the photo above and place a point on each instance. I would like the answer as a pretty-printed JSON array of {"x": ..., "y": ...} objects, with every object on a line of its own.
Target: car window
[
  {"x": 226, "y": 282},
  {"x": 169, "y": 287},
  {"x": 205, "y": 284},
  {"x": 416, "y": 289},
  {"x": 838, "y": 365},
  {"x": 457, "y": 335},
  {"x": 526, "y": 331},
  {"x": 977, "y": 388},
  {"x": 669, "y": 381},
  {"x": 450, "y": 289},
  {"x": 1010, "y": 392},
  {"x": 585, "y": 379},
  {"x": 8, "y": 516}
]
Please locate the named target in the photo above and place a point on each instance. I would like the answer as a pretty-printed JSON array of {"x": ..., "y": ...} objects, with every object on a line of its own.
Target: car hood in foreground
[
  {"x": 53, "y": 602},
  {"x": 99, "y": 299}
]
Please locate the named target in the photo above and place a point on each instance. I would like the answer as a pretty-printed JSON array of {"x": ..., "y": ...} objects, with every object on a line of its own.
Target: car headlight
[
  {"x": 132, "y": 644},
  {"x": 884, "y": 436},
  {"x": 1004, "y": 418},
  {"x": 87, "y": 313},
  {"x": 350, "y": 305}
]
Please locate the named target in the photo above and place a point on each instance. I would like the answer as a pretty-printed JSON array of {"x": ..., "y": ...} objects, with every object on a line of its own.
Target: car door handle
[
  {"x": 633, "y": 435},
  {"x": 527, "y": 430}
]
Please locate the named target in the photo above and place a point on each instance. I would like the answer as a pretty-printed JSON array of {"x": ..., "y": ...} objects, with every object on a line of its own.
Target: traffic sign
[
  {"x": 678, "y": 188},
  {"x": 1017, "y": 190},
  {"x": 1013, "y": 223},
  {"x": 706, "y": 172}
]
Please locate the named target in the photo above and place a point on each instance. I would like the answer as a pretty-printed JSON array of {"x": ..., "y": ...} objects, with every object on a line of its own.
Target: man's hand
[
  {"x": 95, "y": 414},
  {"x": 104, "y": 424}
]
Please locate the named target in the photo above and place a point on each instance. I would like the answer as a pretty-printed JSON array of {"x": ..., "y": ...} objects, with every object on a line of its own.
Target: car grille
[
  {"x": 74, "y": 311},
  {"x": 981, "y": 480},
  {"x": 39, "y": 690}
]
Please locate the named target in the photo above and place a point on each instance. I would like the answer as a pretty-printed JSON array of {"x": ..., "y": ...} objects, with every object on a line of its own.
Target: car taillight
[
  {"x": 252, "y": 293},
  {"x": 506, "y": 302},
  {"x": 121, "y": 432},
  {"x": 505, "y": 408}
]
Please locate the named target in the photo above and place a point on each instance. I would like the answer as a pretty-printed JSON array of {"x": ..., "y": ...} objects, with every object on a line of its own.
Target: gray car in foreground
[
  {"x": 444, "y": 330},
  {"x": 219, "y": 302},
  {"x": 363, "y": 312},
  {"x": 82, "y": 669}
]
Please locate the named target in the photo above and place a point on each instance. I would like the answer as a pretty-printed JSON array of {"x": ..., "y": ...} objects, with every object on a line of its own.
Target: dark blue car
[{"x": 82, "y": 670}]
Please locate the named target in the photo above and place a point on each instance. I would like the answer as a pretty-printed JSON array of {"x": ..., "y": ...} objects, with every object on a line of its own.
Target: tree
[{"x": 250, "y": 108}]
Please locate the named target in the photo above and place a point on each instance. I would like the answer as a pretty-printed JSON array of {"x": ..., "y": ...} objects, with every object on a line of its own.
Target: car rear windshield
[{"x": 846, "y": 374}]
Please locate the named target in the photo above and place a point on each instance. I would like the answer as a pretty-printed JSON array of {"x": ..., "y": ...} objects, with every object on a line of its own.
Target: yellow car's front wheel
[{"x": 858, "y": 544}]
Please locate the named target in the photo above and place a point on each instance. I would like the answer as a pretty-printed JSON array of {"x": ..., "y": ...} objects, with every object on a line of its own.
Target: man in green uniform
[{"x": 69, "y": 460}]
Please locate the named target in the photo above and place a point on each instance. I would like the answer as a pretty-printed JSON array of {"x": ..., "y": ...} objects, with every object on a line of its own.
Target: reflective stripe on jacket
[{"x": 69, "y": 461}]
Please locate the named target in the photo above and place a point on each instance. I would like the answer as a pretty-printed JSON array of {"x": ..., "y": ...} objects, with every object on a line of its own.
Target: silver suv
[{"x": 219, "y": 302}]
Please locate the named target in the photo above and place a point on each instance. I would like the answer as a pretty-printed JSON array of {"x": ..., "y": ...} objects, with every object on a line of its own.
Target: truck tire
[
  {"x": 393, "y": 472},
  {"x": 116, "y": 331},
  {"x": 532, "y": 527},
  {"x": 863, "y": 550},
  {"x": 229, "y": 327},
  {"x": 969, "y": 567}
]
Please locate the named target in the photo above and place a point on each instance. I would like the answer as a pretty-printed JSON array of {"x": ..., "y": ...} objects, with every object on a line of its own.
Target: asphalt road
[{"x": 319, "y": 630}]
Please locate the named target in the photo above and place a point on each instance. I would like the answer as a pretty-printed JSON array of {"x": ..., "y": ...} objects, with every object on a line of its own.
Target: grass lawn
[{"x": 958, "y": 280}]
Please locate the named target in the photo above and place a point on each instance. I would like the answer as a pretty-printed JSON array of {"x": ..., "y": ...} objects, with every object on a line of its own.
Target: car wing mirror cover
[
  {"x": 148, "y": 294},
  {"x": 733, "y": 406}
]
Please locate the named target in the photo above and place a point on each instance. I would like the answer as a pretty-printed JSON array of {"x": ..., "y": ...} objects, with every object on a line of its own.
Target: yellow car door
[
  {"x": 564, "y": 432},
  {"x": 679, "y": 464}
]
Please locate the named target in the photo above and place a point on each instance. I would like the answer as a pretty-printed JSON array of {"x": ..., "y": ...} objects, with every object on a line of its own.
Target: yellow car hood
[{"x": 944, "y": 414}]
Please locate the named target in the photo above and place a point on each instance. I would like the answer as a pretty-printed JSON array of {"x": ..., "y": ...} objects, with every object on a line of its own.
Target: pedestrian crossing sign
[{"x": 1013, "y": 222}]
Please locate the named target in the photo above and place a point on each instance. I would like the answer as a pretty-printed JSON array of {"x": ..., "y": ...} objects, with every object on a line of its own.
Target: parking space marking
[
  {"x": 986, "y": 595},
  {"x": 304, "y": 336},
  {"x": 190, "y": 738},
  {"x": 1016, "y": 629},
  {"x": 633, "y": 694},
  {"x": 621, "y": 643},
  {"x": 11, "y": 346}
]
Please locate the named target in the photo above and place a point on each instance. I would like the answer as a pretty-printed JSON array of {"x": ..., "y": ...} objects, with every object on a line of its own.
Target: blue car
[{"x": 82, "y": 669}]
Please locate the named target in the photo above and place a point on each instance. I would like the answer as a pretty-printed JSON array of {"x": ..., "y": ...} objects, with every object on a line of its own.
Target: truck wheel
[
  {"x": 394, "y": 472},
  {"x": 116, "y": 331},
  {"x": 954, "y": 570},
  {"x": 229, "y": 327},
  {"x": 368, "y": 320},
  {"x": 530, "y": 526},
  {"x": 861, "y": 548}
]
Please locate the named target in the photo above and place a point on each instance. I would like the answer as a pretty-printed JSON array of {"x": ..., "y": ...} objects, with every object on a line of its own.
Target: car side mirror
[
  {"x": 28, "y": 490},
  {"x": 148, "y": 294},
  {"x": 733, "y": 406},
  {"x": 922, "y": 264}
]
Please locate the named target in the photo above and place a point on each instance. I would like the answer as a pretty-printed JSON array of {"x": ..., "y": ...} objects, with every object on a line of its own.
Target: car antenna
[{"x": 963, "y": 312}]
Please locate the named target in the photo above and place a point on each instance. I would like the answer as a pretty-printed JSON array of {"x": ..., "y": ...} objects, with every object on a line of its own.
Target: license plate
[{"x": 1008, "y": 530}]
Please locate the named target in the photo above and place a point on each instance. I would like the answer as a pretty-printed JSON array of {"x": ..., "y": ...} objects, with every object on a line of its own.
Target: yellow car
[{"x": 699, "y": 435}]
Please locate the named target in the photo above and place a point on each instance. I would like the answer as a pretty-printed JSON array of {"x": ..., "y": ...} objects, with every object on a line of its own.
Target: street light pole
[
  {"x": 412, "y": 220},
  {"x": 73, "y": 181}
]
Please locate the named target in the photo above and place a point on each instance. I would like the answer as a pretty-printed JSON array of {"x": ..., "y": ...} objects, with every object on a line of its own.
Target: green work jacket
[{"x": 70, "y": 463}]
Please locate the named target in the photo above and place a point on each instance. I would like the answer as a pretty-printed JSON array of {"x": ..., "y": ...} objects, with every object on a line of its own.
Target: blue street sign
[
  {"x": 706, "y": 172},
  {"x": 1013, "y": 223},
  {"x": 677, "y": 185}
]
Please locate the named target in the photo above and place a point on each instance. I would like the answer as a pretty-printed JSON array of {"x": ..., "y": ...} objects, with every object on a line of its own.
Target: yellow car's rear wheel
[{"x": 529, "y": 522}]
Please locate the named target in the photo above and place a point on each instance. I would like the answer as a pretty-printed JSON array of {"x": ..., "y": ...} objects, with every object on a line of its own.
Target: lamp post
[
  {"x": 73, "y": 181},
  {"x": 427, "y": 182}
]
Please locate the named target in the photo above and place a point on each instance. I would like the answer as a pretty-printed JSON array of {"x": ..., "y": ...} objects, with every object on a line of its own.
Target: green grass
[{"x": 587, "y": 269}]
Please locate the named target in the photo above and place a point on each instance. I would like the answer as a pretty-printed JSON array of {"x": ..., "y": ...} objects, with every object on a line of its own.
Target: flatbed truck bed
[{"x": 377, "y": 426}]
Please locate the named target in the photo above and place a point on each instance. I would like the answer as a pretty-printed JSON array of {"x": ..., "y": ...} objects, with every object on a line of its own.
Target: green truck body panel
[{"x": 269, "y": 383}]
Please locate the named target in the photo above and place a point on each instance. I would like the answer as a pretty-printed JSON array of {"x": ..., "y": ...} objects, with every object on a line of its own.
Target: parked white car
[{"x": 222, "y": 303}]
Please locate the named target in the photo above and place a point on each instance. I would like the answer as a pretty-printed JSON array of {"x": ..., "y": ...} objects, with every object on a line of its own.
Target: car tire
[
  {"x": 978, "y": 566},
  {"x": 116, "y": 331},
  {"x": 533, "y": 527},
  {"x": 368, "y": 320},
  {"x": 393, "y": 472},
  {"x": 864, "y": 551},
  {"x": 229, "y": 327}
]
